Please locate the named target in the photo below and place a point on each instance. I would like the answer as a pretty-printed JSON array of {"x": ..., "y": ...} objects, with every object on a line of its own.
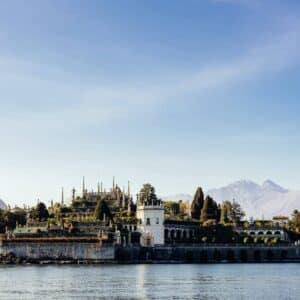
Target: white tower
[{"x": 151, "y": 223}]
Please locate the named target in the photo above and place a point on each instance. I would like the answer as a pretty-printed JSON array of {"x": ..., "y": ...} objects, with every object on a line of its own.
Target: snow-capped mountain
[
  {"x": 2, "y": 204},
  {"x": 265, "y": 200},
  {"x": 258, "y": 201}
]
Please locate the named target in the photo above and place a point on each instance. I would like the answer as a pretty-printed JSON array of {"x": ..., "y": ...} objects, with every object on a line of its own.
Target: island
[{"x": 115, "y": 226}]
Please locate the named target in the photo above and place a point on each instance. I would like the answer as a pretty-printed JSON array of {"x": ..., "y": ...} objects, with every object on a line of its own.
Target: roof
[{"x": 280, "y": 218}]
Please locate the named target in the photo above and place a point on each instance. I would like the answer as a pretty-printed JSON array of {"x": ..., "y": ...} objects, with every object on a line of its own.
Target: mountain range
[
  {"x": 257, "y": 200},
  {"x": 2, "y": 204}
]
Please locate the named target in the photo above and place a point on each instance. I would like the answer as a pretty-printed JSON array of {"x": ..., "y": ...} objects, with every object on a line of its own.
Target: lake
[{"x": 202, "y": 281}]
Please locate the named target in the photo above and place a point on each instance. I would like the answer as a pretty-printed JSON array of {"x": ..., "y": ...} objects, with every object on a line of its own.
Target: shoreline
[{"x": 80, "y": 253}]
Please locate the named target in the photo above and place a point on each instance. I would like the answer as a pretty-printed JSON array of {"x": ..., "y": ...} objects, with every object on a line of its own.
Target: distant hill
[{"x": 257, "y": 200}]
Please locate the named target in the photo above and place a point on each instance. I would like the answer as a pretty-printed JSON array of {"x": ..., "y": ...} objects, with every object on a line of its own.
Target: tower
[
  {"x": 128, "y": 189},
  {"x": 114, "y": 184},
  {"x": 83, "y": 187},
  {"x": 150, "y": 217},
  {"x": 62, "y": 197},
  {"x": 73, "y": 194},
  {"x": 98, "y": 189},
  {"x": 123, "y": 199},
  {"x": 129, "y": 207}
]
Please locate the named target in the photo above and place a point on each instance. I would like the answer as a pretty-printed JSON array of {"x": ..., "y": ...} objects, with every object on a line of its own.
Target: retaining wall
[
  {"x": 208, "y": 254},
  {"x": 58, "y": 251}
]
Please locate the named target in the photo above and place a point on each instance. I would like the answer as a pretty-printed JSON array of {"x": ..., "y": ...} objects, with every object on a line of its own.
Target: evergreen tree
[
  {"x": 225, "y": 212},
  {"x": 209, "y": 210},
  {"x": 102, "y": 210},
  {"x": 295, "y": 222},
  {"x": 40, "y": 213},
  {"x": 171, "y": 208},
  {"x": 197, "y": 204},
  {"x": 237, "y": 212},
  {"x": 231, "y": 212},
  {"x": 148, "y": 196}
]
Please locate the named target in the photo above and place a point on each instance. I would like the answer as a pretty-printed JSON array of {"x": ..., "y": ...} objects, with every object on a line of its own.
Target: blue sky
[{"x": 178, "y": 93}]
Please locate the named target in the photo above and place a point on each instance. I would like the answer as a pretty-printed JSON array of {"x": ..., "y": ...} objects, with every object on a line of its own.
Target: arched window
[{"x": 172, "y": 234}]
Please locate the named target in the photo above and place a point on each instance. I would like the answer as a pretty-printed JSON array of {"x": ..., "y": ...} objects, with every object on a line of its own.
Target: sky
[{"x": 176, "y": 93}]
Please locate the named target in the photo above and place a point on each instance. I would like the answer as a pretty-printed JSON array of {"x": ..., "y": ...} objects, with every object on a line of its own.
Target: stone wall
[
  {"x": 95, "y": 253},
  {"x": 208, "y": 254},
  {"x": 58, "y": 251}
]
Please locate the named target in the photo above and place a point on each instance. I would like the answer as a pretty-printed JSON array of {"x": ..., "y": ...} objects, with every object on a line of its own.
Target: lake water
[{"x": 211, "y": 281}]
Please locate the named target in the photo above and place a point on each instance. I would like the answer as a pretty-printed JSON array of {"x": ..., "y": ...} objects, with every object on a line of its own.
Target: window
[
  {"x": 157, "y": 220},
  {"x": 148, "y": 221}
]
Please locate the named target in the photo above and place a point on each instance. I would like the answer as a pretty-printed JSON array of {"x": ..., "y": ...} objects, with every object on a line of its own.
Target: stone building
[
  {"x": 150, "y": 216},
  {"x": 264, "y": 232}
]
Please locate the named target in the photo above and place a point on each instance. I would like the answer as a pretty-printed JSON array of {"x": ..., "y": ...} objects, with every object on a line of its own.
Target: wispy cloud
[
  {"x": 273, "y": 56},
  {"x": 98, "y": 103}
]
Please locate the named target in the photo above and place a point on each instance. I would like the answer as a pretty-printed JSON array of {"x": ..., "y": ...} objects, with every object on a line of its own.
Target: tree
[
  {"x": 225, "y": 212},
  {"x": 2, "y": 221},
  {"x": 40, "y": 212},
  {"x": 246, "y": 240},
  {"x": 11, "y": 219},
  {"x": 102, "y": 210},
  {"x": 148, "y": 196},
  {"x": 197, "y": 204},
  {"x": 20, "y": 216},
  {"x": 209, "y": 210},
  {"x": 237, "y": 212},
  {"x": 295, "y": 222},
  {"x": 231, "y": 212},
  {"x": 171, "y": 208}
]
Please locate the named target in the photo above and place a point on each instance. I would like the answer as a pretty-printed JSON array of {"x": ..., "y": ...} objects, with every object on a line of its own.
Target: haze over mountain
[
  {"x": 2, "y": 204},
  {"x": 265, "y": 200}
]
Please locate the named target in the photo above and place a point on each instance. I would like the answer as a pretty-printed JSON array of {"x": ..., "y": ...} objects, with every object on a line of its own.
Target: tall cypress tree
[
  {"x": 197, "y": 204},
  {"x": 209, "y": 210},
  {"x": 102, "y": 210}
]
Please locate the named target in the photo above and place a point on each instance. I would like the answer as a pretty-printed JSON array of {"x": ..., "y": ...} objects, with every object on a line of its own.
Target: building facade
[{"x": 151, "y": 223}]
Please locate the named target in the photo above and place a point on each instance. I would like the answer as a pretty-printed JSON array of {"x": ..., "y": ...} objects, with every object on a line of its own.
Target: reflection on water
[{"x": 219, "y": 281}]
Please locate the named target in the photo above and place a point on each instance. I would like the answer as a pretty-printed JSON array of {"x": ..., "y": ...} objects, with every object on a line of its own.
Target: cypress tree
[
  {"x": 209, "y": 210},
  {"x": 101, "y": 210},
  {"x": 197, "y": 204}
]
